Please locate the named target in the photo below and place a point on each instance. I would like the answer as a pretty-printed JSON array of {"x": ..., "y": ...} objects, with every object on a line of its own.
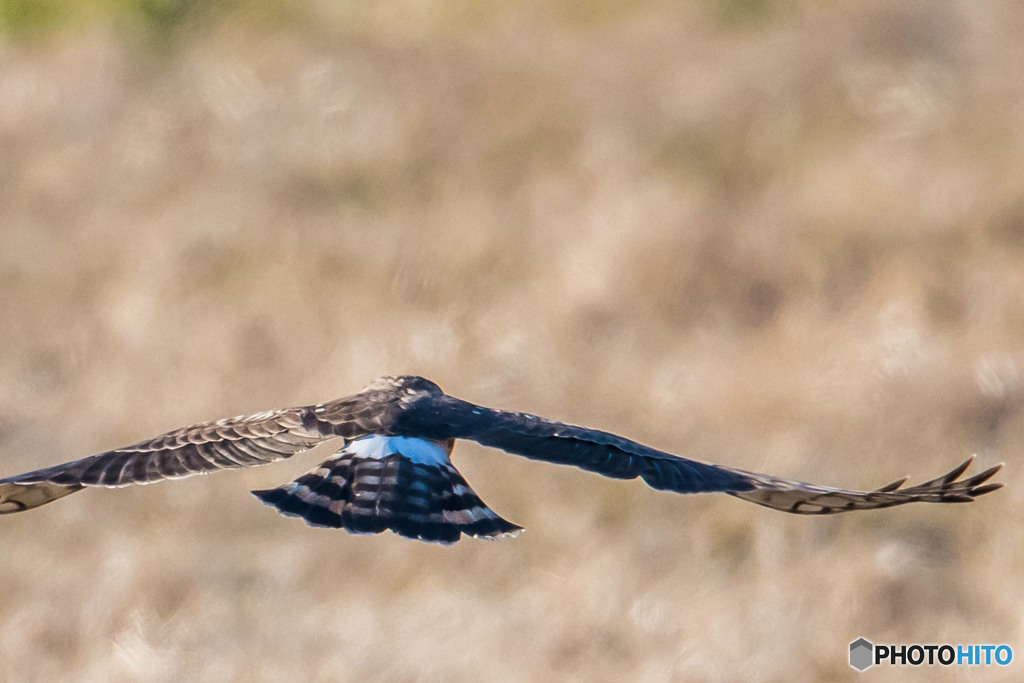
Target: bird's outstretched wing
[
  {"x": 243, "y": 441},
  {"x": 537, "y": 438}
]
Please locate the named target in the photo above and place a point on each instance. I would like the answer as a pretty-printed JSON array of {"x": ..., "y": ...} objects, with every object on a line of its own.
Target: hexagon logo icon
[{"x": 861, "y": 654}]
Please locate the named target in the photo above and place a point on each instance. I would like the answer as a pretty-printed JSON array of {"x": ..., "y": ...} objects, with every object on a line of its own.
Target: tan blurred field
[{"x": 784, "y": 236}]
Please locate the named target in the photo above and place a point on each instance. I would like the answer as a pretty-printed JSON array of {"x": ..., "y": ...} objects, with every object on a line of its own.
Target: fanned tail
[{"x": 364, "y": 495}]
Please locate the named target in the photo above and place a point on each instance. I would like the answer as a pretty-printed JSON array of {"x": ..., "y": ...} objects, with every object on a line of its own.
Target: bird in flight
[{"x": 393, "y": 470}]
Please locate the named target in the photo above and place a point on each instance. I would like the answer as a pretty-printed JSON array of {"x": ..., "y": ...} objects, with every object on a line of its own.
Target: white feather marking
[
  {"x": 420, "y": 451},
  {"x": 306, "y": 495},
  {"x": 464, "y": 516}
]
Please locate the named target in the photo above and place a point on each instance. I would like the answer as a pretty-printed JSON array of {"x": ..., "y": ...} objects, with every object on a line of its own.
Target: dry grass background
[{"x": 786, "y": 236}]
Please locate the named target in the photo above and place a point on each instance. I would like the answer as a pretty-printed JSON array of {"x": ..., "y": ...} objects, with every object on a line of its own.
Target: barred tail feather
[{"x": 362, "y": 495}]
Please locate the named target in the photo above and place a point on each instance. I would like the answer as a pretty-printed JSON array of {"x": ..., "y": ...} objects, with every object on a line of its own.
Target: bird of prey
[{"x": 393, "y": 470}]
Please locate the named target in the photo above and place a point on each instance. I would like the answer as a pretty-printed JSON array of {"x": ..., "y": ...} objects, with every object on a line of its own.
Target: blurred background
[{"x": 782, "y": 235}]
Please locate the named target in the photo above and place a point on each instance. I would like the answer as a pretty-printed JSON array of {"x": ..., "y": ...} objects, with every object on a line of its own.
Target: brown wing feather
[
  {"x": 614, "y": 456},
  {"x": 243, "y": 441},
  {"x": 809, "y": 499}
]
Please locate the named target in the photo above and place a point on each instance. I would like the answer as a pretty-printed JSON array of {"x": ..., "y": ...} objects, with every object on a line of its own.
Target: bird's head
[{"x": 411, "y": 384}]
